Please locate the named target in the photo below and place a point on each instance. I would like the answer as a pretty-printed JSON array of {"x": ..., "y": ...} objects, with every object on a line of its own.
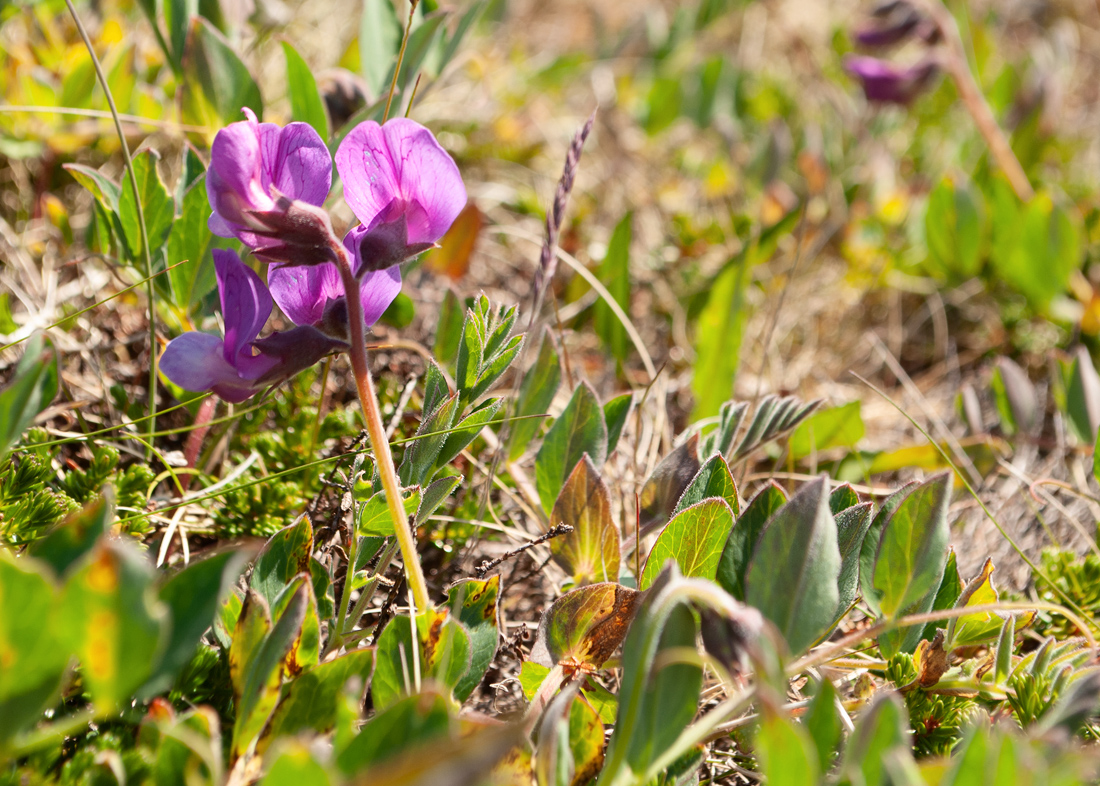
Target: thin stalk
[
  {"x": 400, "y": 59},
  {"x": 958, "y": 66},
  {"x": 376, "y": 430},
  {"x": 148, "y": 258}
]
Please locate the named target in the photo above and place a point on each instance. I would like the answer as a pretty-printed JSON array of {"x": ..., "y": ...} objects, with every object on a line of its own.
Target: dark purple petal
[
  {"x": 890, "y": 25},
  {"x": 195, "y": 361},
  {"x": 246, "y": 304},
  {"x": 382, "y": 245},
  {"x": 883, "y": 82},
  {"x": 400, "y": 168},
  {"x": 295, "y": 350}
]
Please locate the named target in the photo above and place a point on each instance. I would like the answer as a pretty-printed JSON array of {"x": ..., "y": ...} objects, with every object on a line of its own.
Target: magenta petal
[
  {"x": 302, "y": 291},
  {"x": 295, "y": 161},
  {"x": 233, "y": 180},
  {"x": 401, "y": 161},
  {"x": 246, "y": 303},
  {"x": 378, "y": 289},
  {"x": 194, "y": 361}
]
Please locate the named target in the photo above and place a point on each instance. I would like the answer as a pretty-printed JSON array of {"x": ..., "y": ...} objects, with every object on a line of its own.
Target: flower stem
[
  {"x": 376, "y": 430},
  {"x": 146, "y": 251},
  {"x": 957, "y": 65}
]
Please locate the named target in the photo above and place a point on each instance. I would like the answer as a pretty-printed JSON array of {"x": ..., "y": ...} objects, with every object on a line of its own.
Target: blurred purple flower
[
  {"x": 265, "y": 184},
  {"x": 404, "y": 188},
  {"x": 883, "y": 82},
  {"x": 240, "y": 365},
  {"x": 889, "y": 29}
]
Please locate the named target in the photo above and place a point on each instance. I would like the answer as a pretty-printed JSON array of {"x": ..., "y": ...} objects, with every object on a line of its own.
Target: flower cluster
[
  {"x": 883, "y": 81},
  {"x": 266, "y": 186}
]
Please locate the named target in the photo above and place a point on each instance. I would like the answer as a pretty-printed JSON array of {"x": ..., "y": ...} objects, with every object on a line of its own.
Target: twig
[{"x": 553, "y": 532}]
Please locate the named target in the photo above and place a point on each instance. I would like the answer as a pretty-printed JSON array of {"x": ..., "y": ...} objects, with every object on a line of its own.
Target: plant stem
[
  {"x": 376, "y": 430},
  {"x": 146, "y": 252},
  {"x": 958, "y": 66}
]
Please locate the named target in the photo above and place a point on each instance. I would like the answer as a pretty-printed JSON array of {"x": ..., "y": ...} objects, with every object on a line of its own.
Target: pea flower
[
  {"x": 885, "y": 83},
  {"x": 404, "y": 188},
  {"x": 266, "y": 185},
  {"x": 240, "y": 365},
  {"x": 314, "y": 295}
]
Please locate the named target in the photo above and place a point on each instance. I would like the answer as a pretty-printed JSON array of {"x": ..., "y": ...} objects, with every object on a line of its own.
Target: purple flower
[
  {"x": 265, "y": 184},
  {"x": 404, "y": 188},
  {"x": 314, "y": 295},
  {"x": 883, "y": 82},
  {"x": 240, "y": 365}
]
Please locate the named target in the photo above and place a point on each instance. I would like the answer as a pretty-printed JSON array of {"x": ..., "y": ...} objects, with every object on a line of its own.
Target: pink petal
[{"x": 246, "y": 303}]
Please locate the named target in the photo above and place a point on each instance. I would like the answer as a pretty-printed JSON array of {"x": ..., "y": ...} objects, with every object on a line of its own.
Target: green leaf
[
  {"x": 465, "y": 431},
  {"x": 310, "y": 702},
  {"x": 852, "y": 525},
  {"x": 263, "y": 676},
  {"x": 842, "y": 498},
  {"x": 305, "y": 649},
  {"x": 881, "y": 731},
  {"x": 191, "y": 239},
  {"x": 1083, "y": 397},
  {"x": 614, "y": 273},
  {"x": 714, "y": 479},
  {"x": 406, "y": 724},
  {"x": 951, "y": 587},
  {"x": 911, "y": 553},
  {"x": 158, "y": 206},
  {"x": 111, "y": 620},
  {"x": 1015, "y": 397},
  {"x": 822, "y": 722},
  {"x": 787, "y": 753},
  {"x": 252, "y": 626},
  {"x": 448, "y": 331},
  {"x": 33, "y": 657},
  {"x": 540, "y": 383},
  {"x": 955, "y": 227},
  {"x": 216, "y": 83},
  {"x": 193, "y": 597},
  {"x": 581, "y": 429},
  {"x": 284, "y": 556},
  {"x": 718, "y": 335},
  {"x": 474, "y": 603},
  {"x": 442, "y": 650},
  {"x": 374, "y": 514},
  {"x": 585, "y": 626},
  {"x": 105, "y": 190},
  {"x": 379, "y": 40},
  {"x": 434, "y": 495},
  {"x": 1036, "y": 247},
  {"x": 839, "y": 427},
  {"x": 590, "y": 553},
  {"x": 295, "y": 766},
  {"x": 792, "y": 577},
  {"x": 418, "y": 462},
  {"x": 615, "y": 413},
  {"x": 32, "y": 388},
  {"x": 656, "y": 700},
  {"x": 694, "y": 539},
  {"x": 306, "y": 105},
  {"x": 868, "y": 552},
  {"x": 743, "y": 538},
  {"x": 663, "y": 489}
]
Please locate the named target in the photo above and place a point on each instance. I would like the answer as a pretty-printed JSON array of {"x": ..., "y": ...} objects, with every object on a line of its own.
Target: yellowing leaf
[{"x": 452, "y": 256}]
